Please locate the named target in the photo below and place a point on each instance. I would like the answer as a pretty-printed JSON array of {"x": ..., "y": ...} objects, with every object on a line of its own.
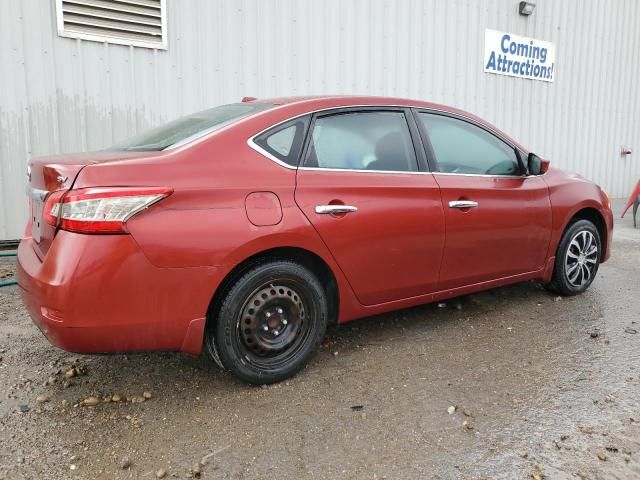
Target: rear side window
[
  {"x": 284, "y": 142},
  {"x": 461, "y": 147},
  {"x": 362, "y": 141},
  {"x": 191, "y": 127}
]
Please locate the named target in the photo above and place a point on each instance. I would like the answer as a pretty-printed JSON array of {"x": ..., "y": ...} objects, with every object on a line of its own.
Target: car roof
[
  {"x": 319, "y": 102},
  {"x": 331, "y": 101}
]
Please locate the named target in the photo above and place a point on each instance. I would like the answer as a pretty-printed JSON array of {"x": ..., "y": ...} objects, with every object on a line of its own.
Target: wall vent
[{"x": 141, "y": 23}]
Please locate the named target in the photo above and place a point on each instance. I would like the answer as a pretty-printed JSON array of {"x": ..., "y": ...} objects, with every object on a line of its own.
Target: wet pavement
[{"x": 511, "y": 383}]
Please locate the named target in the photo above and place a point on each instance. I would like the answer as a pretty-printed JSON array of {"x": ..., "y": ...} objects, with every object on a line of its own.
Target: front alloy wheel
[
  {"x": 581, "y": 260},
  {"x": 577, "y": 259}
]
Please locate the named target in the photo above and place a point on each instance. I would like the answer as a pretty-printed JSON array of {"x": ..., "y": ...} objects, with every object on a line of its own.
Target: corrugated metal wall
[{"x": 62, "y": 95}]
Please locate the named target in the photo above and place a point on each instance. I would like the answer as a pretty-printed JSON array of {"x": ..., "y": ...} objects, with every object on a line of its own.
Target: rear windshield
[{"x": 189, "y": 128}]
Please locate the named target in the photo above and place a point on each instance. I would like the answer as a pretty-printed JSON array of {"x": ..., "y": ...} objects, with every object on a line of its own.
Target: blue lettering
[
  {"x": 543, "y": 55},
  {"x": 491, "y": 64},
  {"x": 505, "y": 38}
]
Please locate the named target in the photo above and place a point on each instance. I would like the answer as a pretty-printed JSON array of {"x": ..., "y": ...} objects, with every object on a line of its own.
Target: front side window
[
  {"x": 190, "y": 127},
  {"x": 285, "y": 141},
  {"x": 362, "y": 141},
  {"x": 461, "y": 147}
]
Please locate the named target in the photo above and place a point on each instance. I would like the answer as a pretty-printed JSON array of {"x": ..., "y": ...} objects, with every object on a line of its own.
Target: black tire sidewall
[
  {"x": 225, "y": 336},
  {"x": 560, "y": 282}
]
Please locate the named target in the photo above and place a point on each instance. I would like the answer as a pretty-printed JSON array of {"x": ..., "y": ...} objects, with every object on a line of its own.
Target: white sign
[{"x": 516, "y": 56}]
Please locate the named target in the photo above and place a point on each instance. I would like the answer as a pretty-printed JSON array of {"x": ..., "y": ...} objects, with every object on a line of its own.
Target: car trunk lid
[{"x": 47, "y": 175}]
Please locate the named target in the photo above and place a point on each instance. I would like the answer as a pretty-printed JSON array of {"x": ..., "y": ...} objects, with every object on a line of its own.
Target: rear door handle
[
  {"x": 462, "y": 204},
  {"x": 324, "y": 209}
]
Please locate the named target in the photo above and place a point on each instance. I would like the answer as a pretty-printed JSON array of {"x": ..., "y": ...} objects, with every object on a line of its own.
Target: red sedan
[{"x": 249, "y": 227}]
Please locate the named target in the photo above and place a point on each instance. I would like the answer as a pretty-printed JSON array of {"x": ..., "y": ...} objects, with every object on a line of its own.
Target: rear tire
[
  {"x": 577, "y": 259},
  {"x": 270, "y": 323}
]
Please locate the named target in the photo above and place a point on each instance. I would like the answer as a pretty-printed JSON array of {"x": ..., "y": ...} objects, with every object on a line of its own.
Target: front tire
[
  {"x": 577, "y": 259},
  {"x": 270, "y": 323}
]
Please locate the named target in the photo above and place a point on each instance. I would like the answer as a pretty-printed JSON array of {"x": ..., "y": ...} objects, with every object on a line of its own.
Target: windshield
[{"x": 189, "y": 128}]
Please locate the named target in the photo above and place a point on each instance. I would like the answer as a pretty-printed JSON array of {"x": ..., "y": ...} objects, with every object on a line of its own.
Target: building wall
[{"x": 63, "y": 95}]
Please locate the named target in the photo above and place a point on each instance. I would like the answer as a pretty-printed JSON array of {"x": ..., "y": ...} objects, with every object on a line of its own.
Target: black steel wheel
[{"x": 270, "y": 323}]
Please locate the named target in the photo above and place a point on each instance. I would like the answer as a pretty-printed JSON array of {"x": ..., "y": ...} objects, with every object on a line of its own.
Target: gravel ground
[{"x": 511, "y": 383}]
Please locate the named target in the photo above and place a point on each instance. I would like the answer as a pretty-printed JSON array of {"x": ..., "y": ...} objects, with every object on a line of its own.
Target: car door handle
[
  {"x": 462, "y": 204},
  {"x": 324, "y": 209}
]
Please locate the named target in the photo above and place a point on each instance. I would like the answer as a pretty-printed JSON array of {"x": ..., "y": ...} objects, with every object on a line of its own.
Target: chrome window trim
[
  {"x": 262, "y": 151},
  {"x": 321, "y": 169},
  {"x": 251, "y": 140},
  {"x": 480, "y": 175}
]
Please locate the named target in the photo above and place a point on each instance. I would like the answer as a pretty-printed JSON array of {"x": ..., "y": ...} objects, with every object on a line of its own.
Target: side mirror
[{"x": 537, "y": 165}]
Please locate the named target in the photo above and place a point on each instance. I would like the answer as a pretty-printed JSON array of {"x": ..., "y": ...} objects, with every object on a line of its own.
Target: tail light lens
[
  {"x": 51, "y": 205},
  {"x": 100, "y": 210}
]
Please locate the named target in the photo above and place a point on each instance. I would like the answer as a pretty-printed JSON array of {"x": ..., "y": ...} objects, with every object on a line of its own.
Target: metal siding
[{"x": 63, "y": 95}]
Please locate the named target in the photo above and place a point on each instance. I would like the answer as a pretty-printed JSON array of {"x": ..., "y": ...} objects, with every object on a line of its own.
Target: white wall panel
[{"x": 63, "y": 95}]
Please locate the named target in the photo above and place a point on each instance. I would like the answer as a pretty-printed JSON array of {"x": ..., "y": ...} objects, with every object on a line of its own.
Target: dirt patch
[{"x": 7, "y": 270}]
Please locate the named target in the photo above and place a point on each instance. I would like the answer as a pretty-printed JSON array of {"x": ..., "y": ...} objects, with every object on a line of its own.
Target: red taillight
[
  {"x": 50, "y": 203},
  {"x": 100, "y": 210}
]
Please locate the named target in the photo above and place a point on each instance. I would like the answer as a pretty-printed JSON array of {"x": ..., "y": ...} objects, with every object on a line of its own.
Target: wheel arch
[
  {"x": 593, "y": 215},
  {"x": 303, "y": 256}
]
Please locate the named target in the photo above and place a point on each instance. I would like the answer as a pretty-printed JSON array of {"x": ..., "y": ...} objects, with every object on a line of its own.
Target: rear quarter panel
[{"x": 204, "y": 220}]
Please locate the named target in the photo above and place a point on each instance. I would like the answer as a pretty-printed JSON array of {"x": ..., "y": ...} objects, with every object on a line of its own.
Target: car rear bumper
[{"x": 99, "y": 293}]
